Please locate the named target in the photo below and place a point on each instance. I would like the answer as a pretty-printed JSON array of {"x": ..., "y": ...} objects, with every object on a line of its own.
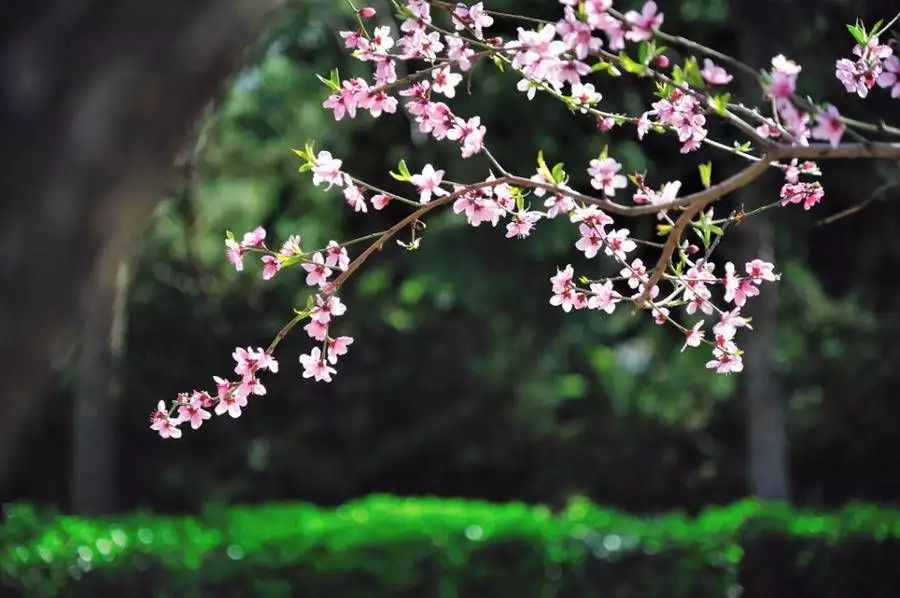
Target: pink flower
[
  {"x": 563, "y": 289},
  {"x": 470, "y": 135},
  {"x": 459, "y": 52},
  {"x": 478, "y": 208},
  {"x": 231, "y": 404},
  {"x": 380, "y": 201},
  {"x": 473, "y": 17},
  {"x": 223, "y": 387},
  {"x": 584, "y": 95},
  {"x": 725, "y": 363},
  {"x": 317, "y": 271},
  {"x": 618, "y": 243},
  {"x": 829, "y": 126},
  {"x": 336, "y": 256},
  {"x": 254, "y": 238},
  {"x": 316, "y": 330},
  {"x": 604, "y": 176},
  {"x": 234, "y": 252},
  {"x": 738, "y": 290},
  {"x": 250, "y": 386},
  {"x": 428, "y": 182},
  {"x": 337, "y": 347},
  {"x": 890, "y": 77},
  {"x": 346, "y": 99},
  {"x": 327, "y": 170},
  {"x": 714, "y": 75},
  {"x": 591, "y": 240},
  {"x": 729, "y": 322},
  {"x": 445, "y": 81},
  {"x": 782, "y": 79},
  {"x": 168, "y": 428},
  {"x": 249, "y": 361},
  {"x": 693, "y": 336},
  {"x": 315, "y": 367},
  {"x": 194, "y": 411},
  {"x": 521, "y": 225},
  {"x": 699, "y": 301},
  {"x": 760, "y": 270},
  {"x": 378, "y": 102},
  {"x": 325, "y": 308},
  {"x": 291, "y": 247},
  {"x": 603, "y": 297},
  {"x": 354, "y": 196},
  {"x": 271, "y": 266},
  {"x": 660, "y": 315},
  {"x": 808, "y": 193},
  {"x": 643, "y": 24},
  {"x": 635, "y": 274}
]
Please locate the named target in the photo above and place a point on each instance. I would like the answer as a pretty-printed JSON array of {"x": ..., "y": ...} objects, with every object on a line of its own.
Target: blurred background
[{"x": 463, "y": 381}]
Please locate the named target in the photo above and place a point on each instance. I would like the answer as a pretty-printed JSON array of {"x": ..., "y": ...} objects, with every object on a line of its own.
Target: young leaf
[
  {"x": 328, "y": 82},
  {"x": 542, "y": 167},
  {"x": 692, "y": 73},
  {"x": 404, "y": 172},
  {"x": 720, "y": 103},
  {"x": 631, "y": 66},
  {"x": 559, "y": 173},
  {"x": 706, "y": 174},
  {"x": 858, "y": 35}
]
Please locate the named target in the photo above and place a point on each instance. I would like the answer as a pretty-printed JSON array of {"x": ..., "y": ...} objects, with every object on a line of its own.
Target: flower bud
[
  {"x": 366, "y": 12},
  {"x": 692, "y": 249},
  {"x": 661, "y": 61}
]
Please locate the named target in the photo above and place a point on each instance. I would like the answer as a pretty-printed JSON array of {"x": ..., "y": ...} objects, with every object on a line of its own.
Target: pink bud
[
  {"x": 605, "y": 124},
  {"x": 662, "y": 61},
  {"x": 692, "y": 249},
  {"x": 367, "y": 12}
]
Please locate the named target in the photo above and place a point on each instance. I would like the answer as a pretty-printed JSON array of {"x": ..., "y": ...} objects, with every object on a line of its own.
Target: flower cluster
[
  {"x": 875, "y": 63},
  {"x": 231, "y": 396},
  {"x": 554, "y": 58}
]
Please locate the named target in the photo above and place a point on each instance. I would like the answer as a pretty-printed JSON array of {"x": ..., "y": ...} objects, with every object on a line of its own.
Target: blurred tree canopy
[{"x": 463, "y": 381}]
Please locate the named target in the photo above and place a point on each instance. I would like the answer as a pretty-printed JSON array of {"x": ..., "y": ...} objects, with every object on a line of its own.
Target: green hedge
[{"x": 420, "y": 548}]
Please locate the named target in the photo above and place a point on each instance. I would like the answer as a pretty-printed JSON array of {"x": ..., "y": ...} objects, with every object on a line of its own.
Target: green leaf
[
  {"x": 706, "y": 174},
  {"x": 692, "y": 74},
  {"x": 643, "y": 53},
  {"x": 857, "y": 34},
  {"x": 558, "y": 173},
  {"x": 606, "y": 66},
  {"x": 333, "y": 82},
  {"x": 663, "y": 229},
  {"x": 720, "y": 103},
  {"x": 678, "y": 75},
  {"x": 663, "y": 90},
  {"x": 404, "y": 174},
  {"x": 631, "y": 66},
  {"x": 542, "y": 167}
]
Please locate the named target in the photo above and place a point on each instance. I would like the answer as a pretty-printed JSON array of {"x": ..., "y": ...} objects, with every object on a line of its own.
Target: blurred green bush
[{"x": 422, "y": 547}]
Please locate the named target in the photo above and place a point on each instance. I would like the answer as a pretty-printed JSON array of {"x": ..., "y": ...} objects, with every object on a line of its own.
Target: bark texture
[{"x": 96, "y": 98}]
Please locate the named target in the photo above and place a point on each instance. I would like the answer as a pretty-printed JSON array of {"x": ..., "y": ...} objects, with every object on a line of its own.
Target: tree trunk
[
  {"x": 767, "y": 450},
  {"x": 96, "y": 98},
  {"x": 767, "y": 447},
  {"x": 93, "y": 483}
]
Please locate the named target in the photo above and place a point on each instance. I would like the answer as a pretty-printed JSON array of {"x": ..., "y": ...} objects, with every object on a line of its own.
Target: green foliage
[{"x": 389, "y": 546}]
